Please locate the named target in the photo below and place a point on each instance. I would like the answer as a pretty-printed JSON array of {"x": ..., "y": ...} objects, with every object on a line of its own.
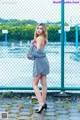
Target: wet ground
[{"x": 22, "y": 107}]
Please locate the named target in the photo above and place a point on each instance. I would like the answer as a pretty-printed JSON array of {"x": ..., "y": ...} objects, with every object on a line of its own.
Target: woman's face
[{"x": 39, "y": 30}]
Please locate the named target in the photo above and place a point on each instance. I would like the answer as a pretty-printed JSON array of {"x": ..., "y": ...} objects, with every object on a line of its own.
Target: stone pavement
[{"x": 23, "y": 108}]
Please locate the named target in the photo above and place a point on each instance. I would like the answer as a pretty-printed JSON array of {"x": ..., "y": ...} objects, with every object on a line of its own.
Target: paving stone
[
  {"x": 50, "y": 118},
  {"x": 13, "y": 115},
  {"x": 50, "y": 104},
  {"x": 74, "y": 118},
  {"x": 2, "y": 109},
  {"x": 63, "y": 112},
  {"x": 55, "y": 111},
  {"x": 14, "y": 104},
  {"x": 73, "y": 110},
  {"x": 62, "y": 117},
  {"x": 3, "y": 105},
  {"x": 36, "y": 107},
  {"x": 37, "y": 117},
  {"x": 75, "y": 114},
  {"x": 24, "y": 113},
  {"x": 25, "y": 110},
  {"x": 73, "y": 106},
  {"x": 22, "y": 117},
  {"x": 50, "y": 113},
  {"x": 50, "y": 110},
  {"x": 14, "y": 111},
  {"x": 11, "y": 119},
  {"x": 14, "y": 108},
  {"x": 50, "y": 107},
  {"x": 60, "y": 109}
]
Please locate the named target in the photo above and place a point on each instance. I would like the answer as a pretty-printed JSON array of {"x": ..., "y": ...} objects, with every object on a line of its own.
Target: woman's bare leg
[
  {"x": 44, "y": 87},
  {"x": 35, "y": 81}
]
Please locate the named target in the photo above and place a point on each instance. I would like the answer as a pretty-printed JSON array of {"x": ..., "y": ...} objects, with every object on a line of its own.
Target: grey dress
[{"x": 41, "y": 64}]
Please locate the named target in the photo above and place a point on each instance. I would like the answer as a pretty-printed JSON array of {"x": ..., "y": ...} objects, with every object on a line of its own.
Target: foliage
[{"x": 24, "y": 30}]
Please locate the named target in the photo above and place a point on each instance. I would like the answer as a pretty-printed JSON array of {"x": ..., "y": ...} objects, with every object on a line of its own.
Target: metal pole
[
  {"x": 62, "y": 45},
  {"x": 6, "y": 38},
  {"x": 31, "y": 88},
  {"x": 65, "y": 37},
  {"x": 60, "y": 37},
  {"x": 76, "y": 42}
]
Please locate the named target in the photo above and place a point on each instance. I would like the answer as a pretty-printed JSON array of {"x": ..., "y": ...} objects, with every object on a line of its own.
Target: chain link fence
[
  {"x": 72, "y": 46},
  {"x": 18, "y": 20}
]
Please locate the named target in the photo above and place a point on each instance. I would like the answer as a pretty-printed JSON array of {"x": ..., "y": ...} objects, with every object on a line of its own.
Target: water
[{"x": 16, "y": 69}]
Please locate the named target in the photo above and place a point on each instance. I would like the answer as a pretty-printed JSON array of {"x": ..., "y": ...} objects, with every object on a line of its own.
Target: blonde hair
[{"x": 44, "y": 33}]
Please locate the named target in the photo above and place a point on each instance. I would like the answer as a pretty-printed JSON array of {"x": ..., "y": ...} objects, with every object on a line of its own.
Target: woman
[{"x": 41, "y": 64}]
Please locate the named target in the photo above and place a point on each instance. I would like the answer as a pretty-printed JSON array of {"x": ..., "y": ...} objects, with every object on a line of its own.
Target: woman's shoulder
[{"x": 40, "y": 38}]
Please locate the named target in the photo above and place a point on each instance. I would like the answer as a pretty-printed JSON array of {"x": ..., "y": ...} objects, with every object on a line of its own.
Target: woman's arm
[
  {"x": 40, "y": 42},
  {"x": 29, "y": 54},
  {"x": 39, "y": 52},
  {"x": 33, "y": 42},
  {"x": 36, "y": 52}
]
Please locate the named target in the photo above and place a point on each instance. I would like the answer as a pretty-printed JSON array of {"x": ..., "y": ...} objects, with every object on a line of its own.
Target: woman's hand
[
  {"x": 33, "y": 42},
  {"x": 28, "y": 55}
]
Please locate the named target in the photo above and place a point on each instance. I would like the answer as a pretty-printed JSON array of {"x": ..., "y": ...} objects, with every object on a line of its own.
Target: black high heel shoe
[{"x": 43, "y": 107}]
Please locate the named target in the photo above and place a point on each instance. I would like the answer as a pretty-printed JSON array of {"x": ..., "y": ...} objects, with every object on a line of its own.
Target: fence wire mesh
[
  {"x": 72, "y": 45},
  {"x": 18, "y": 20}
]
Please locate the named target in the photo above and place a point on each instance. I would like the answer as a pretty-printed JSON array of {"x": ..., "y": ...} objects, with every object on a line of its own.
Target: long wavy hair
[{"x": 44, "y": 33}]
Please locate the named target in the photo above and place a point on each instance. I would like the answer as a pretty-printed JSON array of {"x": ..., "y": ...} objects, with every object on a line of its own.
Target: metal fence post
[
  {"x": 77, "y": 42},
  {"x": 62, "y": 45}
]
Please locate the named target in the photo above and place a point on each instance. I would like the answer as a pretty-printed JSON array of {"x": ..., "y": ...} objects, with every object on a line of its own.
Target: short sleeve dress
[{"x": 41, "y": 63}]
